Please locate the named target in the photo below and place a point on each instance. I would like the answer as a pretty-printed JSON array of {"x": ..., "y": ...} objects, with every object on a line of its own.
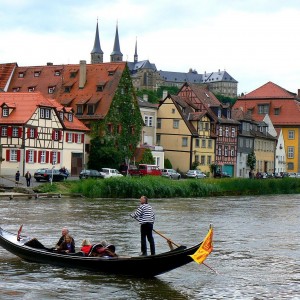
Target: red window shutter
[
  {"x": 28, "y": 133},
  {"x": 34, "y": 155},
  {"x": 20, "y": 131},
  {"x": 35, "y": 133},
  {"x": 73, "y": 137},
  {"x": 82, "y": 138},
  {"x": 18, "y": 155},
  {"x": 27, "y": 156},
  {"x": 58, "y": 157},
  {"x": 67, "y": 137},
  {"x": 51, "y": 157},
  {"x": 39, "y": 157},
  {"x": 7, "y": 155},
  {"x": 76, "y": 137},
  {"x": 53, "y": 134},
  {"x": 59, "y": 135},
  {"x": 47, "y": 156},
  {"x": 9, "y": 131}
]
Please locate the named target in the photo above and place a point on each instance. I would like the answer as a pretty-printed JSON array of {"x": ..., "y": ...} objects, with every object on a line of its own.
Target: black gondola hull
[{"x": 141, "y": 266}]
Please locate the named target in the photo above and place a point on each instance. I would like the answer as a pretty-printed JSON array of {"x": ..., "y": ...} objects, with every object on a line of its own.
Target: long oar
[{"x": 170, "y": 242}]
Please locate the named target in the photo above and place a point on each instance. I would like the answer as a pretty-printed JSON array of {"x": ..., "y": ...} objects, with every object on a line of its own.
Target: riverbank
[{"x": 158, "y": 187}]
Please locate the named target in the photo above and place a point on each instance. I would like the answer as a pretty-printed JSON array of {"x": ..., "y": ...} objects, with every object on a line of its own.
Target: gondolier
[{"x": 145, "y": 216}]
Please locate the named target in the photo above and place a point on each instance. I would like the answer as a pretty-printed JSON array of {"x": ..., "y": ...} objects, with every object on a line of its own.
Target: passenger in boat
[
  {"x": 86, "y": 247},
  {"x": 67, "y": 246},
  {"x": 64, "y": 232},
  {"x": 145, "y": 216},
  {"x": 103, "y": 249}
]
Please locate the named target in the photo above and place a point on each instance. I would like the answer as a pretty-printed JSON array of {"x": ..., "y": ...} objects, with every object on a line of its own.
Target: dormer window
[
  {"x": 45, "y": 113},
  {"x": 70, "y": 117},
  {"x": 111, "y": 72},
  {"x": 73, "y": 74},
  {"x": 100, "y": 86},
  {"x": 31, "y": 89},
  {"x": 61, "y": 115},
  {"x": 51, "y": 89},
  {"x": 79, "y": 109},
  {"x": 91, "y": 109},
  {"x": 37, "y": 73},
  {"x": 5, "y": 112},
  {"x": 67, "y": 89},
  {"x": 21, "y": 74},
  {"x": 16, "y": 89},
  {"x": 219, "y": 113},
  {"x": 57, "y": 73}
]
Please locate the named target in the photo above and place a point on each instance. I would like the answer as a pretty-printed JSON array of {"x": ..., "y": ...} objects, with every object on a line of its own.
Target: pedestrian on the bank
[
  {"x": 28, "y": 178},
  {"x": 145, "y": 216},
  {"x": 17, "y": 177}
]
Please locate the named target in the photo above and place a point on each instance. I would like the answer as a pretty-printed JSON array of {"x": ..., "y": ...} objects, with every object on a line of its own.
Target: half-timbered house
[{"x": 37, "y": 132}]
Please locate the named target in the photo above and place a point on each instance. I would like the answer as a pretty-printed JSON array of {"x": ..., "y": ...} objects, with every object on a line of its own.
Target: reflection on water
[{"x": 256, "y": 248}]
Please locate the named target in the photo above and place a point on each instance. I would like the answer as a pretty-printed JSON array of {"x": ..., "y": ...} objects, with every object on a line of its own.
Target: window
[
  {"x": 69, "y": 137},
  {"x": 219, "y": 113},
  {"x": 173, "y": 110},
  {"x": 158, "y": 123},
  {"x": 15, "y": 132},
  {"x": 13, "y": 155},
  {"x": 37, "y": 73},
  {"x": 263, "y": 109},
  {"x": 220, "y": 131},
  {"x": 196, "y": 158},
  {"x": 219, "y": 150},
  {"x": 232, "y": 131},
  {"x": 30, "y": 156},
  {"x": 148, "y": 121},
  {"x": 100, "y": 88},
  {"x": 176, "y": 124},
  {"x": 79, "y": 109},
  {"x": 44, "y": 113},
  {"x": 184, "y": 142},
  {"x": 61, "y": 115},
  {"x": 197, "y": 143},
  {"x": 276, "y": 111},
  {"x": 158, "y": 139},
  {"x": 203, "y": 143},
  {"x": 5, "y": 112},
  {"x": 200, "y": 125},
  {"x": 290, "y": 152},
  {"x": 31, "y": 134},
  {"x": 70, "y": 117},
  {"x": 209, "y": 160},
  {"x": 291, "y": 134},
  {"x": 4, "y": 131},
  {"x": 16, "y": 89},
  {"x": 54, "y": 158},
  {"x": 202, "y": 161},
  {"x": 21, "y": 74},
  {"x": 57, "y": 73},
  {"x": 209, "y": 144},
  {"x": 226, "y": 131},
  {"x": 90, "y": 109},
  {"x": 31, "y": 89},
  {"x": 232, "y": 152},
  {"x": 42, "y": 157},
  {"x": 67, "y": 89},
  {"x": 51, "y": 89},
  {"x": 206, "y": 126}
]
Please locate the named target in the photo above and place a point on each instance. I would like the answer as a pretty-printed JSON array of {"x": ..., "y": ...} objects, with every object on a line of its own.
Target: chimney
[
  {"x": 82, "y": 74},
  {"x": 145, "y": 97},
  {"x": 165, "y": 94},
  {"x": 49, "y": 63}
]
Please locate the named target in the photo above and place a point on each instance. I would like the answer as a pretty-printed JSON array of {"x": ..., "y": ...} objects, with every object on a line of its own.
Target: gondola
[{"x": 140, "y": 266}]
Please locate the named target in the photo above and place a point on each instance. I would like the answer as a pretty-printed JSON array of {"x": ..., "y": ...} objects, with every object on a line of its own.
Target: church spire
[
  {"x": 97, "y": 53},
  {"x": 116, "y": 55},
  {"x": 135, "y": 58}
]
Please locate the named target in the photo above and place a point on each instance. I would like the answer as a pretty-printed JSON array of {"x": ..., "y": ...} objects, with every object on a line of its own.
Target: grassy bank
[{"x": 158, "y": 187}]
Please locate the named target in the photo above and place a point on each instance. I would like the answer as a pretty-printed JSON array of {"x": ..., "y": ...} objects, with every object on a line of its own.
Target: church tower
[
  {"x": 116, "y": 55},
  {"x": 135, "y": 58},
  {"x": 97, "y": 53}
]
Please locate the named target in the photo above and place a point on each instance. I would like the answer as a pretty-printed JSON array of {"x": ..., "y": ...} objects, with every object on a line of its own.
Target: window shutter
[
  {"x": 76, "y": 137},
  {"x": 58, "y": 157},
  {"x": 27, "y": 156},
  {"x": 51, "y": 157},
  {"x": 82, "y": 138},
  {"x": 67, "y": 136},
  {"x": 59, "y": 135},
  {"x": 20, "y": 131},
  {"x": 73, "y": 137},
  {"x": 35, "y": 133},
  {"x": 18, "y": 155},
  {"x": 34, "y": 155},
  {"x": 9, "y": 131},
  {"x": 39, "y": 157},
  {"x": 28, "y": 133},
  {"x": 47, "y": 156},
  {"x": 7, "y": 155},
  {"x": 53, "y": 135}
]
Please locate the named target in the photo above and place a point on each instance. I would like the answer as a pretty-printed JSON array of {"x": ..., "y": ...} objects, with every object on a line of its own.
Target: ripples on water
[{"x": 256, "y": 248}]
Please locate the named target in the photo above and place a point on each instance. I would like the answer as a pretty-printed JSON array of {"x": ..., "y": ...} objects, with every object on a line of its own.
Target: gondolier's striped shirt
[{"x": 144, "y": 214}]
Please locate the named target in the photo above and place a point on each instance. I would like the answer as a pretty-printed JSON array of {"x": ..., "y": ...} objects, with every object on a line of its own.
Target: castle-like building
[{"x": 145, "y": 75}]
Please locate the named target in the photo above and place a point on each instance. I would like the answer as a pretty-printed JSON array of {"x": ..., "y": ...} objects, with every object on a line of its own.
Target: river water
[{"x": 256, "y": 248}]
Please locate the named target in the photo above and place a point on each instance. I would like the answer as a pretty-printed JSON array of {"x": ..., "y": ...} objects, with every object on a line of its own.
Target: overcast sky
[{"x": 255, "y": 41}]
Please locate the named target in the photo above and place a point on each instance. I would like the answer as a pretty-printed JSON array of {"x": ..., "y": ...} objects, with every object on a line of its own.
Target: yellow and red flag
[{"x": 205, "y": 249}]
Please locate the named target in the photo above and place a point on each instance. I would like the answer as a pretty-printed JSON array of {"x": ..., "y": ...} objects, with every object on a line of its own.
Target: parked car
[
  {"x": 126, "y": 170},
  {"x": 222, "y": 175},
  {"x": 261, "y": 175},
  {"x": 107, "y": 173},
  {"x": 45, "y": 174},
  {"x": 170, "y": 173},
  {"x": 85, "y": 174},
  {"x": 144, "y": 170},
  {"x": 195, "y": 174}
]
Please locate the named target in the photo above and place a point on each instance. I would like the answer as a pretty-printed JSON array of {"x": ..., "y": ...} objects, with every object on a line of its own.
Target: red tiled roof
[
  {"x": 269, "y": 90},
  {"x": 25, "y": 104},
  {"x": 6, "y": 70}
]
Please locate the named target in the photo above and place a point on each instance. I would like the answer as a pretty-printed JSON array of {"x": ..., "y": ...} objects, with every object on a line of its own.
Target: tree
[
  {"x": 251, "y": 161},
  {"x": 147, "y": 157},
  {"x": 168, "y": 164}
]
